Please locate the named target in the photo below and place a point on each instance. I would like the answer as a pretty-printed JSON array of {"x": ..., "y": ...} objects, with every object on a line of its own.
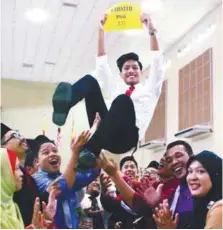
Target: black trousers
[{"x": 117, "y": 131}]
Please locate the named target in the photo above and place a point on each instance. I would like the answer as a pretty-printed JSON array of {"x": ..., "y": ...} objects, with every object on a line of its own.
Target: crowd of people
[{"x": 183, "y": 190}]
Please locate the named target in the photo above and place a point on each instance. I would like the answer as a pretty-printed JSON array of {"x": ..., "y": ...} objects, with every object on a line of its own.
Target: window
[{"x": 195, "y": 92}]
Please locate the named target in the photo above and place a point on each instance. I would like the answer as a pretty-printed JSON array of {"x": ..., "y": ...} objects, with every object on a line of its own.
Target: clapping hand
[
  {"x": 150, "y": 194},
  {"x": 163, "y": 216},
  {"x": 49, "y": 210},
  {"x": 37, "y": 220}
]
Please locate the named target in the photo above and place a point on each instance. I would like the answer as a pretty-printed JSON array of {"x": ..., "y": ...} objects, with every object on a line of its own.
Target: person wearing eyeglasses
[
  {"x": 25, "y": 198},
  {"x": 14, "y": 141}
]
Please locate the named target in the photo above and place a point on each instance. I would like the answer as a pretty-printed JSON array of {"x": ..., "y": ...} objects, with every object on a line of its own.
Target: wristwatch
[{"x": 152, "y": 32}]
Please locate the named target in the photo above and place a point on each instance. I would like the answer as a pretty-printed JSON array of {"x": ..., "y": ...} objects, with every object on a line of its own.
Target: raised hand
[
  {"x": 163, "y": 216},
  {"x": 37, "y": 220},
  {"x": 97, "y": 119},
  {"x": 78, "y": 142},
  {"x": 105, "y": 183},
  {"x": 147, "y": 21},
  {"x": 102, "y": 21},
  {"x": 150, "y": 194},
  {"x": 108, "y": 165},
  {"x": 144, "y": 185},
  {"x": 49, "y": 210},
  {"x": 96, "y": 123}
]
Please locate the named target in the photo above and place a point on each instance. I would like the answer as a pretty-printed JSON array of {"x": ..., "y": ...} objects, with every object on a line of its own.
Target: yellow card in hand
[{"x": 123, "y": 16}]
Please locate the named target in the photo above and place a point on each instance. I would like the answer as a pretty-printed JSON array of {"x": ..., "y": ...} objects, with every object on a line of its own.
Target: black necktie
[{"x": 98, "y": 222}]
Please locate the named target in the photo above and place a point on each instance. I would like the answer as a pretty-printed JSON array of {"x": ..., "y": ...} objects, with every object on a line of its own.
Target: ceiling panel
[
  {"x": 46, "y": 37},
  {"x": 7, "y": 45},
  {"x": 64, "y": 46},
  {"x": 20, "y": 31},
  {"x": 32, "y": 34},
  {"x": 72, "y": 42}
]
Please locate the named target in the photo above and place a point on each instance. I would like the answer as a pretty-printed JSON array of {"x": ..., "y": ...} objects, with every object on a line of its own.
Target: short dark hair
[
  {"x": 187, "y": 147},
  {"x": 30, "y": 157},
  {"x": 125, "y": 57},
  {"x": 128, "y": 158},
  {"x": 153, "y": 164},
  {"x": 38, "y": 141}
]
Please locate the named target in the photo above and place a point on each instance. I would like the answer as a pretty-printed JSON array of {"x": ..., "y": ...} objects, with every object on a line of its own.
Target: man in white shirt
[
  {"x": 132, "y": 109},
  {"x": 91, "y": 204}
]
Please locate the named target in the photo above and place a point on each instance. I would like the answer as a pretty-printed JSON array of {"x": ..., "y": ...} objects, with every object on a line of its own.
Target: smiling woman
[{"x": 205, "y": 183}]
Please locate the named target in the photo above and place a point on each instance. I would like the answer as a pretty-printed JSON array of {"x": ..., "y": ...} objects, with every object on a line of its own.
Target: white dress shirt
[
  {"x": 175, "y": 199},
  {"x": 86, "y": 204},
  {"x": 144, "y": 97}
]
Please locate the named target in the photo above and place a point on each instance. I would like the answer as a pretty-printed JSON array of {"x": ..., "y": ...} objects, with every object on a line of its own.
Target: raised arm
[
  {"x": 103, "y": 71},
  {"x": 156, "y": 76},
  {"x": 69, "y": 173},
  {"x": 69, "y": 177},
  {"x": 101, "y": 37},
  {"x": 147, "y": 21},
  {"x": 111, "y": 168}
]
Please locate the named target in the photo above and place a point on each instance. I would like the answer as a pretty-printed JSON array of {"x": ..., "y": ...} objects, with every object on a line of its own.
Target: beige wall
[
  {"x": 211, "y": 142},
  {"x": 24, "y": 104}
]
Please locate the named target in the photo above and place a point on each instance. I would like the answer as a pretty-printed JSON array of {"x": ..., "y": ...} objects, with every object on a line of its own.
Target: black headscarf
[{"x": 213, "y": 164}]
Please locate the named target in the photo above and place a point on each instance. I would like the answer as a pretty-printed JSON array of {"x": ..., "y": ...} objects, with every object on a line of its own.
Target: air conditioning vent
[
  {"x": 194, "y": 131},
  {"x": 153, "y": 144}
]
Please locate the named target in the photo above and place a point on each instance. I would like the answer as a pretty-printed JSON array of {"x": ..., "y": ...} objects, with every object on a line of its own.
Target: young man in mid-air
[{"x": 125, "y": 123}]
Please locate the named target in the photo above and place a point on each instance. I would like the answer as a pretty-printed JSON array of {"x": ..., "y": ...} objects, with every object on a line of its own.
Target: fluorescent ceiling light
[
  {"x": 149, "y": 6},
  {"x": 36, "y": 15}
]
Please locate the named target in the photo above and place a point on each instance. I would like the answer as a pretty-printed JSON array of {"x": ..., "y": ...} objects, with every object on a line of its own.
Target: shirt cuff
[{"x": 102, "y": 60}]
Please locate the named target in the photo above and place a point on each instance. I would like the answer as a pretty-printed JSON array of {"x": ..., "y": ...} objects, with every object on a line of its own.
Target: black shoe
[
  {"x": 62, "y": 99},
  {"x": 85, "y": 161}
]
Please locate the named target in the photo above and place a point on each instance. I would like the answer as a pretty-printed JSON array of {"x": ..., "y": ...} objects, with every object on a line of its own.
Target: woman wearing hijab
[
  {"x": 205, "y": 183},
  {"x": 204, "y": 180},
  {"x": 11, "y": 181}
]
